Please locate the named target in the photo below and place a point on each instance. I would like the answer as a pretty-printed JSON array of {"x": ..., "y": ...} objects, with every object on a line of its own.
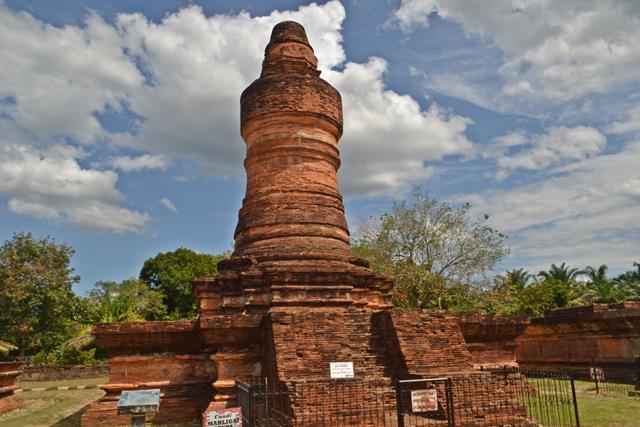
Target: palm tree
[
  {"x": 600, "y": 287},
  {"x": 519, "y": 278},
  {"x": 562, "y": 274},
  {"x": 628, "y": 284},
  {"x": 564, "y": 284}
]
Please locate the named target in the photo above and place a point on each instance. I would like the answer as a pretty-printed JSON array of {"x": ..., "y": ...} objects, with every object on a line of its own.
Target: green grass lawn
[
  {"x": 50, "y": 408},
  {"x": 606, "y": 411}
]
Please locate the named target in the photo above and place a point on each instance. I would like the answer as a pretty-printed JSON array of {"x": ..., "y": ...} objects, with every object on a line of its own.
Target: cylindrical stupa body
[
  {"x": 292, "y": 240},
  {"x": 291, "y": 122}
]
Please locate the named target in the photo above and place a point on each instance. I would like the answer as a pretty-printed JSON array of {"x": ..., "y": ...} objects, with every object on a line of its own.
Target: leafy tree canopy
[
  {"x": 436, "y": 253},
  {"x": 39, "y": 307},
  {"x": 171, "y": 274}
]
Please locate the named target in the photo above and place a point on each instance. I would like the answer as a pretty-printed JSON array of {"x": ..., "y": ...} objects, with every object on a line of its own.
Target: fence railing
[
  {"x": 490, "y": 398},
  {"x": 616, "y": 376}
]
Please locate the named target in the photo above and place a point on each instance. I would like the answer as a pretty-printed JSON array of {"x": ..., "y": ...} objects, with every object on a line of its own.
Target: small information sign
[
  {"x": 341, "y": 370},
  {"x": 424, "y": 400},
  {"x": 230, "y": 417}
]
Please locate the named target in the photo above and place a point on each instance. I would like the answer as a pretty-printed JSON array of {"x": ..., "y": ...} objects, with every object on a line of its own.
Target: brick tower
[{"x": 292, "y": 240}]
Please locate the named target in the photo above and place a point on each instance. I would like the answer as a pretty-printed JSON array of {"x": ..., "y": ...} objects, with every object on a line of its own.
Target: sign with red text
[
  {"x": 424, "y": 400},
  {"x": 230, "y": 417},
  {"x": 341, "y": 370}
]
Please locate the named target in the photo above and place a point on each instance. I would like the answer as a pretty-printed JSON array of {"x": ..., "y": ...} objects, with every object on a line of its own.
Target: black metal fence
[
  {"x": 616, "y": 376},
  {"x": 491, "y": 398}
]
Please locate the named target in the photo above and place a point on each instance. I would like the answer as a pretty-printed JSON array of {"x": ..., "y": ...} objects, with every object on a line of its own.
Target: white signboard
[
  {"x": 424, "y": 400},
  {"x": 341, "y": 369},
  {"x": 230, "y": 417}
]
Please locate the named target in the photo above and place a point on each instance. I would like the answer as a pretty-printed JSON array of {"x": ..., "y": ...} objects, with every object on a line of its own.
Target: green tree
[
  {"x": 563, "y": 283},
  {"x": 437, "y": 255},
  {"x": 172, "y": 273},
  {"x": 518, "y": 279},
  {"x": 599, "y": 288},
  {"x": 39, "y": 308},
  {"x": 628, "y": 284},
  {"x": 128, "y": 301}
]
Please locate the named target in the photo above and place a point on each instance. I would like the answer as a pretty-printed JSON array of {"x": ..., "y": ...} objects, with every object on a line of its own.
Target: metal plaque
[
  {"x": 424, "y": 400},
  {"x": 139, "y": 401}
]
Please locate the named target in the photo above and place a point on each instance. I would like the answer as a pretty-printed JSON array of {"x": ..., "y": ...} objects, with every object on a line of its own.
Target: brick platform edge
[
  {"x": 9, "y": 373},
  {"x": 290, "y": 345}
]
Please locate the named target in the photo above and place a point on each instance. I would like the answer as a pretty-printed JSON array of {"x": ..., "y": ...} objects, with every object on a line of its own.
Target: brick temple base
[{"x": 290, "y": 345}]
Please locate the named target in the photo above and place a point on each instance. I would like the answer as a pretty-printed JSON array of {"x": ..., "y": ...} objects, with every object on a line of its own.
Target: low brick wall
[
  {"x": 63, "y": 372},
  {"x": 491, "y": 340},
  {"x": 572, "y": 337}
]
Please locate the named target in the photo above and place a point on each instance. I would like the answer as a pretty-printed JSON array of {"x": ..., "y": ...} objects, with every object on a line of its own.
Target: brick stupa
[{"x": 293, "y": 297}]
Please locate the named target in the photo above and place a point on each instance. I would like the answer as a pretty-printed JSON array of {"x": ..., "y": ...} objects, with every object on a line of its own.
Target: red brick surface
[
  {"x": 572, "y": 337},
  {"x": 9, "y": 373}
]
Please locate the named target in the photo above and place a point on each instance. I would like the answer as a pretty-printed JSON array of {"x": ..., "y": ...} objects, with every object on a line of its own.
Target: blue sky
[{"x": 119, "y": 120}]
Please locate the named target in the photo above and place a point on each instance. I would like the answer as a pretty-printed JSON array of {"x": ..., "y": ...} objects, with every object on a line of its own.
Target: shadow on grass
[{"x": 72, "y": 420}]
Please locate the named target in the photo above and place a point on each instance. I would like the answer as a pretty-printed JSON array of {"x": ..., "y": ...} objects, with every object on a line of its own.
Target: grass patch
[
  {"x": 606, "y": 410},
  {"x": 50, "y": 408}
]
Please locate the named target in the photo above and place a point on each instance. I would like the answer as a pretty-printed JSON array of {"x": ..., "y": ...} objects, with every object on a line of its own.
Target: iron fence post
[
  {"x": 399, "y": 407},
  {"x": 448, "y": 389},
  {"x": 575, "y": 401},
  {"x": 266, "y": 402},
  {"x": 594, "y": 373},
  {"x": 637, "y": 363}
]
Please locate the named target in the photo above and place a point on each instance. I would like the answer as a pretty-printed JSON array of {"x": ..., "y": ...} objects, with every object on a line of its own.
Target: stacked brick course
[
  {"x": 9, "y": 373},
  {"x": 571, "y": 337},
  {"x": 491, "y": 340}
]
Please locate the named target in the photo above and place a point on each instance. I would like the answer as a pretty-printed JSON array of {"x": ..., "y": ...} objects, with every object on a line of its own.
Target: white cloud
[
  {"x": 560, "y": 50},
  {"x": 183, "y": 77},
  {"x": 57, "y": 78},
  {"x": 50, "y": 184},
  {"x": 199, "y": 66},
  {"x": 630, "y": 124},
  {"x": 559, "y": 145},
  {"x": 590, "y": 214},
  {"x": 143, "y": 162},
  {"x": 388, "y": 137},
  {"x": 169, "y": 205}
]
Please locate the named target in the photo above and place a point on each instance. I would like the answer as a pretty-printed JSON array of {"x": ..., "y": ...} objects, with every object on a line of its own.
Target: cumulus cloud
[
  {"x": 588, "y": 214},
  {"x": 559, "y": 145},
  {"x": 143, "y": 162},
  {"x": 49, "y": 184},
  {"x": 181, "y": 78},
  {"x": 197, "y": 66},
  {"x": 54, "y": 79},
  {"x": 559, "y": 50},
  {"x": 388, "y": 138},
  {"x": 169, "y": 205},
  {"x": 630, "y": 124}
]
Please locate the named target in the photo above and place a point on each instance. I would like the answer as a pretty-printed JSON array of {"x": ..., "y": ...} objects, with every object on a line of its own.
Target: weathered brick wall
[
  {"x": 424, "y": 342},
  {"x": 145, "y": 355},
  {"x": 303, "y": 344},
  {"x": 63, "y": 372},
  {"x": 491, "y": 340},
  {"x": 571, "y": 337},
  {"x": 9, "y": 373}
]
